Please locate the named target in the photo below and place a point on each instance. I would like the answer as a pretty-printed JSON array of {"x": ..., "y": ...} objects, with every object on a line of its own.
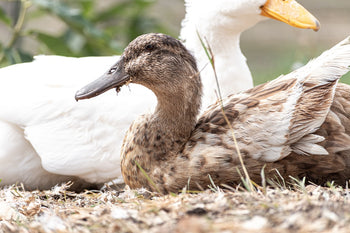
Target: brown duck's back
[{"x": 336, "y": 131}]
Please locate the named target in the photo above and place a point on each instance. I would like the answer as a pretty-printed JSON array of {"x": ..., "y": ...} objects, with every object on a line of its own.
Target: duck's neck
[
  {"x": 231, "y": 68},
  {"x": 154, "y": 139},
  {"x": 176, "y": 112}
]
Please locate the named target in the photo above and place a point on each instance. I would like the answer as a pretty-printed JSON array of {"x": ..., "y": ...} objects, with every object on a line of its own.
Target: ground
[{"x": 301, "y": 209}]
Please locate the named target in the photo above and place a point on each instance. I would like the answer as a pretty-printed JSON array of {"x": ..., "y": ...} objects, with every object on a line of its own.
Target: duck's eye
[
  {"x": 112, "y": 70},
  {"x": 149, "y": 47}
]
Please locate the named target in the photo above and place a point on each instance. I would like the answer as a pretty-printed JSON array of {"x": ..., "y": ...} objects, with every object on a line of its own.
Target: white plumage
[{"x": 47, "y": 138}]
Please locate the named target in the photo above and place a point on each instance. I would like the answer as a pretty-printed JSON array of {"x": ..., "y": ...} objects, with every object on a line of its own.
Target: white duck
[
  {"x": 224, "y": 23},
  {"x": 275, "y": 124},
  {"x": 47, "y": 138}
]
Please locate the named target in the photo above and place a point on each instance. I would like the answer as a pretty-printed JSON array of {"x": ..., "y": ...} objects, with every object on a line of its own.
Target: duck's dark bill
[{"x": 114, "y": 78}]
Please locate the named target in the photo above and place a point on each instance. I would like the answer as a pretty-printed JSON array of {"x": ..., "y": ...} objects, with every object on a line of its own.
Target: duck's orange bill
[{"x": 290, "y": 12}]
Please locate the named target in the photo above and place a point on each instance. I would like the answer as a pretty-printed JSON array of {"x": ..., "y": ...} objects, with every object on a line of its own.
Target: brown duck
[{"x": 297, "y": 124}]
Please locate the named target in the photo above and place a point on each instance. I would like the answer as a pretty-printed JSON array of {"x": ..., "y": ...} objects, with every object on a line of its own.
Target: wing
[{"x": 274, "y": 119}]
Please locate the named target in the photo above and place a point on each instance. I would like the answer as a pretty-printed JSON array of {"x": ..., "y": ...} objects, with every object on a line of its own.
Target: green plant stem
[
  {"x": 210, "y": 56},
  {"x": 212, "y": 62},
  {"x": 147, "y": 177},
  {"x": 25, "y": 4}
]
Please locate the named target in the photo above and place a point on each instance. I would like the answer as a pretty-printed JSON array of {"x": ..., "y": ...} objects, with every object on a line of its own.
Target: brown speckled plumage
[{"x": 297, "y": 124}]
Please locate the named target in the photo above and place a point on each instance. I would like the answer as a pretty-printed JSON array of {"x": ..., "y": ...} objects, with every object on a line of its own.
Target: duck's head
[
  {"x": 147, "y": 60},
  {"x": 239, "y": 15}
]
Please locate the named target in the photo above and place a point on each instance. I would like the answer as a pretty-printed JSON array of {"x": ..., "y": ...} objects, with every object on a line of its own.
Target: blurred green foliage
[{"x": 89, "y": 31}]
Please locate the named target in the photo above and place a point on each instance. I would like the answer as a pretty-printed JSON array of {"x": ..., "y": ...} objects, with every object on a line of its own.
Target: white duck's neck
[
  {"x": 230, "y": 66},
  {"x": 221, "y": 31}
]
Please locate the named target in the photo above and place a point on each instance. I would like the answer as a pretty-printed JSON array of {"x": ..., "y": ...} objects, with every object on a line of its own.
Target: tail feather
[
  {"x": 328, "y": 67},
  {"x": 318, "y": 80}
]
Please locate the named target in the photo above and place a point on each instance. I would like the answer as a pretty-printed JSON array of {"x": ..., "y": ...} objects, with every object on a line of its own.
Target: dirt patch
[{"x": 310, "y": 209}]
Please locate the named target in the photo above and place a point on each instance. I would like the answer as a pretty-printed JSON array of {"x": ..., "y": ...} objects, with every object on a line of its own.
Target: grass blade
[
  {"x": 147, "y": 177},
  {"x": 210, "y": 56}
]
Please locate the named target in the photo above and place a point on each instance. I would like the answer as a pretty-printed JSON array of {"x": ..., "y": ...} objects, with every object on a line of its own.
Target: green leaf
[
  {"x": 88, "y": 8},
  {"x": 56, "y": 45},
  {"x": 71, "y": 16},
  {"x": 14, "y": 56},
  {"x": 90, "y": 31},
  {"x": 74, "y": 41},
  {"x": 4, "y": 18},
  {"x": 25, "y": 56},
  {"x": 114, "y": 11}
]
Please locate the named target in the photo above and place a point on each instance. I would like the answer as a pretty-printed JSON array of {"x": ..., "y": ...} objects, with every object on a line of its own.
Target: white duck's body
[
  {"x": 47, "y": 138},
  {"x": 45, "y": 135}
]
